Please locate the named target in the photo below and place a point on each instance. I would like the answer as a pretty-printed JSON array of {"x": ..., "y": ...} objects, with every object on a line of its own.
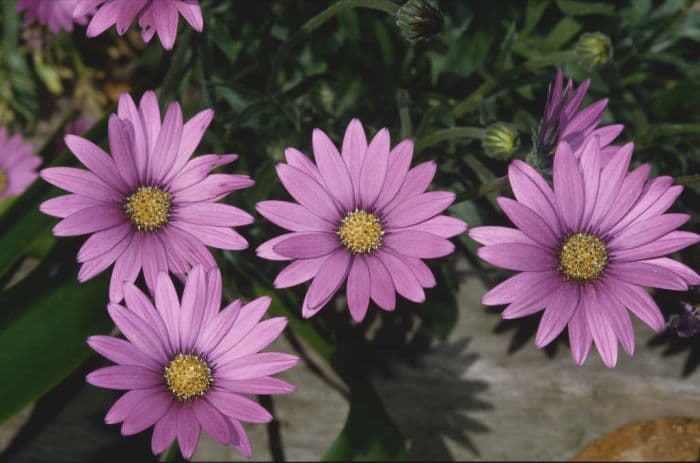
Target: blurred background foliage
[{"x": 274, "y": 70}]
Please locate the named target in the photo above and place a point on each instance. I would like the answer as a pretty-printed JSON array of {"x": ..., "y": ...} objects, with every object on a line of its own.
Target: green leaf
[
  {"x": 368, "y": 434},
  {"x": 45, "y": 321},
  {"x": 579, "y": 8}
]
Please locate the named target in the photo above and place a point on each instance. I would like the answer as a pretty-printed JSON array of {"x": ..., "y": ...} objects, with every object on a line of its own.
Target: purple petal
[
  {"x": 418, "y": 244},
  {"x": 417, "y": 181},
  {"x": 618, "y": 317},
  {"x": 307, "y": 192},
  {"x": 262, "y": 385},
  {"x": 334, "y": 172},
  {"x": 579, "y": 335},
  {"x": 498, "y": 235},
  {"x": 122, "y": 352},
  {"x": 126, "y": 269},
  {"x": 560, "y": 308},
  {"x": 629, "y": 193},
  {"x": 518, "y": 256},
  {"x": 90, "y": 220},
  {"x": 188, "y": 431},
  {"x": 329, "y": 278},
  {"x": 248, "y": 317},
  {"x": 298, "y": 272},
  {"x": 192, "y": 133},
  {"x": 382, "y": 289},
  {"x": 374, "y": 169},
  {"x": 148, "y": 413},
  {"x": 638, "y": 301},
  {"x": 532, "y": 190},
  {"x": 536, "y": 298},
  {"x": 689, "y": 275},
  {"x": 166, "y": 19},
  {"x": 645, "y": 274},
  {"x": 599, "y": 325},
  {"x": 442, "y": 225},
  {"x": 422, "y": 272},
  {"x": 590, "y": 167},
  {"x": 647, "y": 231},
  {"x": 212, "y": 421},
  {"x": 197, "y": 170},
  {"x": 192, "y": 308},
  {"x": 308, "y": 245},
  {"x": 164, "y": 431},
  {"x": 213, "y": 214},
  {"x": 612, "y": 178},
  {"x": 101, "y": 242},
  {"x": 354, "y": 149},
  {"x": 261, "y": 336},
  {"x": 238, "y": 407},
  {"x": 653, "y": 190},
  {"x": 95, "y": 159},
  {"x": 674, "y": 241},
  {"x": 405, "y": 282},
  {"x": 292, "y": 216},
  {"x": 299, "y": 160},
  {"x": 568, "y": 186},
  {"x": 418, "y": 209},
  {"x": 140, "y": 333},
  {"x": 529, "y": 222},
  {"x": 514, "y": 288},
  {"x": 399, "y": 163},
  {"x": 358, "y": 289},
  {"x": 124, "y": 377},
  {"x": 63, "y": 206},
  {"x": 81, "y": 182}
]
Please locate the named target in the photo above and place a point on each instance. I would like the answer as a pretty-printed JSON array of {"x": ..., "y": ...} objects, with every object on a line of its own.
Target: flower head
[
  {"x": 18, "y": 166},
  {"x": 687, "y": 323},
  {"x": 587, "y": 248},
  {"x": 362, "y": 216},
  {"x": 188, "y": 366},
  {"x": 147, "y": 206},
  {"x": 419, "y": 20},
  {"x": 594, "y": 49},
  {"x": 500, "y": 141},
  {"x": 563, "y": 121},
  {"x": 159, "y": 16},
  {"x": 57, "y": 15}
]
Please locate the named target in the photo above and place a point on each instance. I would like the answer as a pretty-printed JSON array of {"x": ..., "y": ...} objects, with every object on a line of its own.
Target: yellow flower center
[
  {"x": 187, "y": 376},
  {"x": 3, "y": 180},
  {"x": 361, "y": 232},
  {"x": 148, "y": 208},
  {"x": 583, "y": 257}
]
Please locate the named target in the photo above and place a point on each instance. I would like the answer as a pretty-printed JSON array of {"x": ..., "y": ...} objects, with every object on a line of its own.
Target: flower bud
[
  {"x": 500, "y": 141},
  {"x": 594, "y": 49},
  {"x": 419, "y": 20}
]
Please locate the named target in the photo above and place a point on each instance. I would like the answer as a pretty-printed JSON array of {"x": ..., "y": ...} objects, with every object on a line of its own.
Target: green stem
[
  {"x": 483, "y": 189},
  {"x": 472, "y": 101},
  {"x": 688, "y": 180},
  {"x": 317, "y": 21},
  {"x": 449, "y": 134}
]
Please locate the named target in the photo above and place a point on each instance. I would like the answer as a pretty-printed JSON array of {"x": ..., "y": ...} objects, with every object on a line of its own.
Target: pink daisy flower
[
  {"x": 361, "y": 216},
  {"x": 57, "y": 15},
  {"x": 159, "y": 16},
  {"x": 587, "y": 248},
  {"x": 18, "y": 166},
  {"x": 148, "y": 206},
  {"x": 188, "y": 366},
  {"x": 563, "y": 120}
]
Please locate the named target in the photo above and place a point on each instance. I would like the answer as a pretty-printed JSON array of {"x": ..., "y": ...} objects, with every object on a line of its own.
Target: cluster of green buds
[
  {"x": 500, "y": 141},
  {"x": 419, "y": 20},
  {"x": 594, "y": 49}
]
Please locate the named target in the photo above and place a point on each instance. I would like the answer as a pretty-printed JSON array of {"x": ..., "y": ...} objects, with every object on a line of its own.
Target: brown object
[{"x": 662, "y": 439}]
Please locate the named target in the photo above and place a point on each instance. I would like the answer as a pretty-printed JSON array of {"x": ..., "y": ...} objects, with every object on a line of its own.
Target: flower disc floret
[
  {"x": 361, "y": 232},
  {"x": 583, "y": 257},
  {"x": 187, "y": 376},
  {"x": 149, "y": 208}
]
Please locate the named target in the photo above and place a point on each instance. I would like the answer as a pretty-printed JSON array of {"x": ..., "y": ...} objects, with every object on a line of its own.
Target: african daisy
[
  {"x": 587, "y": 248},
  {"x": 188, "y": 366},
  {"x": 148, "y": 206},
  {"x": 57, "y": 15},
  {"x": 563, "y": 120},
  {"x": 361, "y": 216},
  {"x": 18, "y": 166},
  {"x": 159, "y": 16}
]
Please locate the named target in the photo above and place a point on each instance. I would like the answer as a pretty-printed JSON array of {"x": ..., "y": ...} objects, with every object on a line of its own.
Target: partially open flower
[
  {"x": 594, "y": 49},
  {"x": 500, "y": 141},
  {"x": 188, "y": 366},
  {"x": 419, "y": 20},
  {"x": 564, "y": 121}
]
